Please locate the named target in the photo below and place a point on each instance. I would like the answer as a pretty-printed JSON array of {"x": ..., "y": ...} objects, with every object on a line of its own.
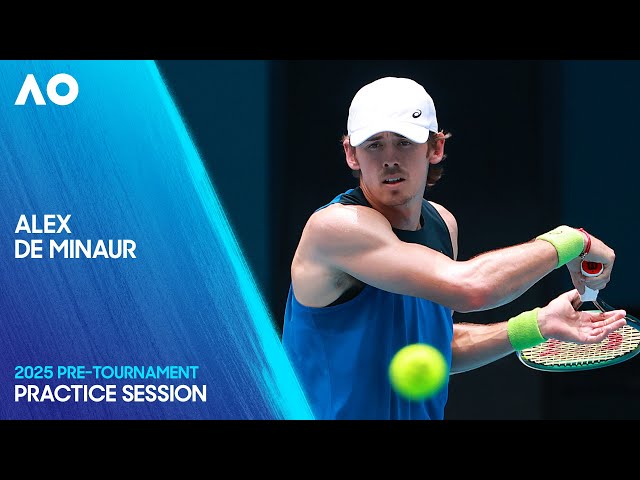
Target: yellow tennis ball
[{"x": 418, "y": 371}]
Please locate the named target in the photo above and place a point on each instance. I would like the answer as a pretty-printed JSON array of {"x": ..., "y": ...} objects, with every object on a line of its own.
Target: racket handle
[
  {"x": 589, "y": 295},
  {"x": 590, "y": 269}
]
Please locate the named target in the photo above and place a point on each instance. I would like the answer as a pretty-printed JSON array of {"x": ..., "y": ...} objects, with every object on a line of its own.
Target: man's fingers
[
  {"x": 572, "y": 295},
  {"x": 615, "y": 314},
  {"x": 610, "y": 320},
  {"x": 599, "y": 285},
  {"x": 576, "y": 303},
  {"x": 603, "y": 324},
  {"x": 574, "y": 298}
]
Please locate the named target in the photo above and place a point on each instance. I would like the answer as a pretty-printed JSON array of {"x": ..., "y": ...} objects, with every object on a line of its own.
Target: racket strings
[{"x": 553, "y": 352}]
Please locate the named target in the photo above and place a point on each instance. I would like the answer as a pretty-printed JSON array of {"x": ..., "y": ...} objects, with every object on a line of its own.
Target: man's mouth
[{"x": 391, "y": 181}]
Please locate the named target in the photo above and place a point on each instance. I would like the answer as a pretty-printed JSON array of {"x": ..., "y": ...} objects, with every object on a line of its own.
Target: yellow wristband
[
  {"x": 523, "y": 330},
  {"x": 568, "y": 242}
]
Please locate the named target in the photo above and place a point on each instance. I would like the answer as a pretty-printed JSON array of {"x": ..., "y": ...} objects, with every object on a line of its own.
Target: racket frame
[{"x": 603, "y": 307}]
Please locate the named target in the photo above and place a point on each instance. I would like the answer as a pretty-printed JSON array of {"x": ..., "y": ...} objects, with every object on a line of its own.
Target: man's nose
[
  {"x": 391, "y": 162},
  {"x": 392, "y": 157}
]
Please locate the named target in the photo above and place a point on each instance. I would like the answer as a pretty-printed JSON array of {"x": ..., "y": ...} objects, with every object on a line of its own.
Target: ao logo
[{"x": 30, "y": 86}]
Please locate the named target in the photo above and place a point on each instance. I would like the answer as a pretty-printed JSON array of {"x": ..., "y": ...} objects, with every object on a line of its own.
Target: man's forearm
[
  {"x": 503, "y": 275},
  {"x": 476, "y": 345}
]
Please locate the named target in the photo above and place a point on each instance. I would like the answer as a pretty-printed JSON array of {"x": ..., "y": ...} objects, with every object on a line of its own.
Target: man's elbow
[{"x": 473, "y": 299}]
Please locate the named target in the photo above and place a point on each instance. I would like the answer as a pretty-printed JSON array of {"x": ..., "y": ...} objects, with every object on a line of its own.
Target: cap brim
[{"x": 415, "y": 133}]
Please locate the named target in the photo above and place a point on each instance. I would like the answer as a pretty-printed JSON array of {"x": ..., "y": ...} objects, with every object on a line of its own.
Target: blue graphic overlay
[{"x": 123, "y": 291}]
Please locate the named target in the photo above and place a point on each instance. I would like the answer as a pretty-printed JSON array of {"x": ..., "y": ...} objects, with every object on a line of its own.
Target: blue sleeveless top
[{"x": 341, "y": 353}]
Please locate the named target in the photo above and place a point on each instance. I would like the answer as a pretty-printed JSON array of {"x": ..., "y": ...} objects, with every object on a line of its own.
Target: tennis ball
[{"x": 418, "y": 371}]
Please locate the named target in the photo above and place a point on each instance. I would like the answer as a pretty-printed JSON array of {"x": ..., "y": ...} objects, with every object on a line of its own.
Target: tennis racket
[{"x": 558, "y": 356}]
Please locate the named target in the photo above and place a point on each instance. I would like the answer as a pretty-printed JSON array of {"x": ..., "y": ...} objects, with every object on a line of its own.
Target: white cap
[{"x": 392, "y": 104}]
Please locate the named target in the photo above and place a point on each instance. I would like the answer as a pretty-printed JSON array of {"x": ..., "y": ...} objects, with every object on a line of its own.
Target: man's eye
[{"x": 374, "y": 145}]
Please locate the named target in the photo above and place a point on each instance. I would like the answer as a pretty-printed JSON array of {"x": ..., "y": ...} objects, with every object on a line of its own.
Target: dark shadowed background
[{"x": 536, "y": 144}]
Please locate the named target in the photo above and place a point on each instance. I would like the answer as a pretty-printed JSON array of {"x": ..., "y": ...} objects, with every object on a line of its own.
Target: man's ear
[
  {"x": 350, "y": 155},
  {"x": 436, "y": 153}
]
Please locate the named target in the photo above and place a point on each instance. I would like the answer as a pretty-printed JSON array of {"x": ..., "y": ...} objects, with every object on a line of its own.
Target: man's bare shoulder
[
  {"x": 332, "y": 237},
  {"x": 340, "y": 229},
  {"x": 338, "y": 219}
]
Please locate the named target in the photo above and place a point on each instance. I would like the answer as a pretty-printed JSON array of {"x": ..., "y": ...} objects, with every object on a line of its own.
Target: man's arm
[
  {"x": 360, "y": 242},
  {"x": 475, "y": 345}
]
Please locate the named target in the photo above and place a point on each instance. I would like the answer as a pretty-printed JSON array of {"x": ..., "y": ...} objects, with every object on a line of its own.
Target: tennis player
[{"x": 376, "y": 269}]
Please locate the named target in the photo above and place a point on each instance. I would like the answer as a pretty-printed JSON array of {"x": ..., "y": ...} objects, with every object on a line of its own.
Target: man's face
[{"x": 393, "y": 168}]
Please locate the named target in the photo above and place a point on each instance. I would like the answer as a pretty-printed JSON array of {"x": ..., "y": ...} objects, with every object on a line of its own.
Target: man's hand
[
  {"x": 561, "y": 320},
  {"x": 600, "y": 253}
]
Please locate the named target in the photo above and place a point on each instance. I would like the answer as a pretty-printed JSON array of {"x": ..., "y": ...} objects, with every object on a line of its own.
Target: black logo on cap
[{"x": 416, "y": 114}]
